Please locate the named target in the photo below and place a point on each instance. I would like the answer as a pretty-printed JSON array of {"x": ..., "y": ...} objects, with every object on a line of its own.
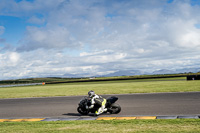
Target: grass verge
[
  {"x": 103, "y": 87},
  {"x": 117, "y": 126}
]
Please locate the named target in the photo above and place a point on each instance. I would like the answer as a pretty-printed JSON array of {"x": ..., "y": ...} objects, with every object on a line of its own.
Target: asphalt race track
[{"x": 162, "y": 104}]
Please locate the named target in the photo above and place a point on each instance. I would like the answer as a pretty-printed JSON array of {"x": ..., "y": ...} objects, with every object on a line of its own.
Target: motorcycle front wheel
[
  {"x": 81, "y": 111},
  {"x": 114, "y": 108}
]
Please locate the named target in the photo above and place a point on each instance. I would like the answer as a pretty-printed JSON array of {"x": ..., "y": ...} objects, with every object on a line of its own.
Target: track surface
[{"x": 132, "y": 105}]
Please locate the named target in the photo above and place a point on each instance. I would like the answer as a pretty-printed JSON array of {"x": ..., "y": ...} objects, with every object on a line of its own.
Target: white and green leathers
[{"x": 96, "y": 99}]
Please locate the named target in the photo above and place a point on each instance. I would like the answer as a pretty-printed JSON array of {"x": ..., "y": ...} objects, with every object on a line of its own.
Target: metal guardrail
[{"x": 15, "y": 85}]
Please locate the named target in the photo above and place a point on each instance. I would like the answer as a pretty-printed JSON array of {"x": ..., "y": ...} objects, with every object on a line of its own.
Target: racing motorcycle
[{"x": 112, "y": 107}]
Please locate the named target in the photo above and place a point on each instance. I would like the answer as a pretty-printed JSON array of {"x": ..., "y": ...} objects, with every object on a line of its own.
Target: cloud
[
  {"x": 68, "y": 26},
  {"x": 102, "y": 57},
  {"x": 2, "y": 29},
  {"x": 2, "y": 40},
  {"x": 102, "y": 36},
  {"x": 36, "y": 20},
  {"x": 14, "y": 57},
  {"x": 27, "y": 8},
  {"x": 47, "y": 38}
]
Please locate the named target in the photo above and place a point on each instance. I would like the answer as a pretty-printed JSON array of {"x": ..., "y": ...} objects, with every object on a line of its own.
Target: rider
[{"x": 96, "y": 99}]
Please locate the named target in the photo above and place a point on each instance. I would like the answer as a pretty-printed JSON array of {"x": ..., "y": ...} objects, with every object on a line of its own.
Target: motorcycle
[{"x": 112, "y": 107}]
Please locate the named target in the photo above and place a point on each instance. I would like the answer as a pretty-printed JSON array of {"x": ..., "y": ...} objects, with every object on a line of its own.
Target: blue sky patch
[
  {"x": 195, "y": 2},
  {"x": 25, "y": 0},
  {"x": 197, "y": 26},
  {"x": 170, "y": 1},
  {"x": 14, "y": 28}
]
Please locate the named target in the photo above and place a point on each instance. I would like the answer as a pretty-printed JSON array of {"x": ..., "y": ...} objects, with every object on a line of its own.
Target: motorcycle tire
[
  {"x": 115, "y": 108},
  {"x": 82, "y": 112}
]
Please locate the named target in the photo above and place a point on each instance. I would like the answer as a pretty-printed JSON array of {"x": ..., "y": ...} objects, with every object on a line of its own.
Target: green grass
[
  {"x": 58, "y": 79},
  {"x": 115, "y": 126},
  {"x": 103, "y": 87}
]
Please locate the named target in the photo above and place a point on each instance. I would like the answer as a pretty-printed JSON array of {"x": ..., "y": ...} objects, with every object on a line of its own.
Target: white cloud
[
  {"x": 9, "y": 59},
  {"x": 2, "y": 29},
  {"x": 14, "y": 57},
  {"x": 105, "y": 58},
  {"x": 47, "y": 38},
  {"x": 27, "y": 8},
  {"x": 190, "y": 39},
  {"x": 106, "y": 35},
  {"x": 96, "y": 53},
  {"x": 36, "y": 20}
]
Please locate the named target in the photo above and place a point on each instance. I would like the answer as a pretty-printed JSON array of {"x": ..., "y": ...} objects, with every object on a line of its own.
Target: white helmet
[{"x": 91, "y": 93}]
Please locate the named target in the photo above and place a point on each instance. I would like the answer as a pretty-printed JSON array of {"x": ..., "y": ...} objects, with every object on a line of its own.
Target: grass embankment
[
  {"x": 86, "y": 79},
  {"x": 103, "y": 87},
  {"x": 115, "y": 126}
]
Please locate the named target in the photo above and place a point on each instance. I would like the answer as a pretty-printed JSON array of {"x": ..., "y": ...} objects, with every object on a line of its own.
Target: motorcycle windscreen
[{"x": 112, "y": 99}]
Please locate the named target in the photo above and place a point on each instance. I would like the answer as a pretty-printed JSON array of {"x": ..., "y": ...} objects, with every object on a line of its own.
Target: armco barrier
[{"x": 15, "y": 85}]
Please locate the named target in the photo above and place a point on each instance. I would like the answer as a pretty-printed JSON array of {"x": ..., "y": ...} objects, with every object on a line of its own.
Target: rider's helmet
[{"x": 91, "y": 93}]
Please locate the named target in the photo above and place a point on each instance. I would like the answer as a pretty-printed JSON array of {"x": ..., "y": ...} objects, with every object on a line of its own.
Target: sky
[{"x": 42, "y": 38}]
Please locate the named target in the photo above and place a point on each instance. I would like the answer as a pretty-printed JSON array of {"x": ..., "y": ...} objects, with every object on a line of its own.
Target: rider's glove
[{"x": 91, "y": 106}]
